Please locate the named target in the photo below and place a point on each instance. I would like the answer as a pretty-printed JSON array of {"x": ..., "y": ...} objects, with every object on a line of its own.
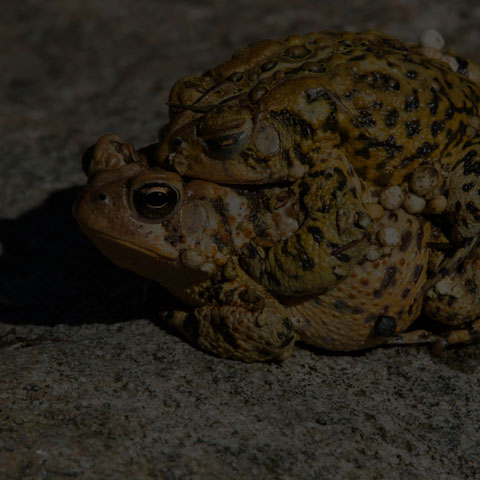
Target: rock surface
[{"x": 92, "y": 385}]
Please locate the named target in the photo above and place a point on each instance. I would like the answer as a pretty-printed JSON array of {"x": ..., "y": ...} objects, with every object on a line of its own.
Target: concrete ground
[{"x": 92, "y": 386}]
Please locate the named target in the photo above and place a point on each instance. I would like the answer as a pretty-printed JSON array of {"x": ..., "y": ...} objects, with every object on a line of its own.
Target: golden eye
[{"x": 155, "y": 200}]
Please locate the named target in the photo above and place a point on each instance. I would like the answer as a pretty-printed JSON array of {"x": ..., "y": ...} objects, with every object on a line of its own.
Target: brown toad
[
  {"x": 188, "y": 235},
  {"x": 407, "y": 125}
]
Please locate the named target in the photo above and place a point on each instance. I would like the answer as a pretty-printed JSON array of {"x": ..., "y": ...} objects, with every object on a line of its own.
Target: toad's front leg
[
  {"x": 235, "y": 319},
  {"x": 236, "y": 332},
  {"x": 332, "y": 239}
]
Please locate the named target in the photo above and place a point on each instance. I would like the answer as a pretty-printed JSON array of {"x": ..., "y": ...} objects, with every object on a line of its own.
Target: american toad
[
  {"x": 404, "y": 124},
  {"x": 188, "y": 236}
]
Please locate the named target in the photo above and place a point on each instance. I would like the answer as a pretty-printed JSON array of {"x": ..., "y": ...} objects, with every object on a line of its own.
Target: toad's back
[{"x": 390, "y": 107}]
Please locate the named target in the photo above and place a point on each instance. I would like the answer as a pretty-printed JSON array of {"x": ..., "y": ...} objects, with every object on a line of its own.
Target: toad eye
[
  {"x": 155, "y": 200},
  {"x": 225, "y": 145},
  {"x": 225, "y": 133}
]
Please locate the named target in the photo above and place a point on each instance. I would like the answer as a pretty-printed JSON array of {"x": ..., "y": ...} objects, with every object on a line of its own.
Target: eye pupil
[{"x": 156, "y": 199}]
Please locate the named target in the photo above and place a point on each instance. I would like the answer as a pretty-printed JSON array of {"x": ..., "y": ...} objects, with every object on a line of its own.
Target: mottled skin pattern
[
  {"x": 317, "y": 244},
  {"x": 378, "y": 298},
  {"x": 185, "y": 238},
  {"x": 284, "y": 110},
  {"x": 189, "y": 239}
]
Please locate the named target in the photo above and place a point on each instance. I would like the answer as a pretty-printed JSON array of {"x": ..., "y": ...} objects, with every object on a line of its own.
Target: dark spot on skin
[
  {"x": 304, "y": 189},
  {"x": 413, "y": 128},
  {"x": 406, "y": 239},
  {"x": 470, "y": 167},
  {"x": 357, "y": 310},
  {"x": 411, "y": 103},
  {"x": 385, "y": 326},
  {"x": 417, "y": 272},
  {"x": 363, "y": 120},
  {"x": 426, "y": 148},
  {"x": 389, "y": 145},
  {"x": 344, "y": 136},
  {"x": 420, "y": 234},
  {"x": 342, "y": 180},
  {"x": 471, "y": 286},
  {"x": 316, "y": 233},
  {"x": 294, "y": 122},
  {"x": 458, "y": 206},
  {"x": 324, "y": 208},
  {"x": 433, "y": 104},
  {"x": 340, "y": 305},
  {"x": 391, "y": 118},
  {"x": 305, "y": 261},
  {"x": 472, "y": 208},
  {"x": 449, "y": 112},
  {"x": 287, "y": 324},
  {"x": 219, "y": 206},
  {"x": 387, "y": 281},
  {"x": 331, "y": 123},
  {"x": 436, "y": 127},
  {"x": 393, "y": 216},
  {"x": 405, "y": 293},
  {"x": 363, "y": 152},
  {"x": 303, "y": 158}
]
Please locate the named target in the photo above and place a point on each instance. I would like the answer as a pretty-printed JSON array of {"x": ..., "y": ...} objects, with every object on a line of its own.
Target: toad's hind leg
[
  {"x": 463, "y": 206},
  {"x": 469, "y": 334},
  {"x": 331, "y": 240},
  {"x": 463, "y": 187},
  {"x": 453, "y": 301}
]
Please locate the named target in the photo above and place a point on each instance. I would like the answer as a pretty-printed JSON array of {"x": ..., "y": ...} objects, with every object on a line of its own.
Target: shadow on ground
[{"x": 51, "y": 273}]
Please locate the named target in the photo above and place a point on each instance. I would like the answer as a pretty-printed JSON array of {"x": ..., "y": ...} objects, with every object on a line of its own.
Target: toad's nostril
[
  {"x": 101, "y": 196},
  {"x": 87, "y": 159}
]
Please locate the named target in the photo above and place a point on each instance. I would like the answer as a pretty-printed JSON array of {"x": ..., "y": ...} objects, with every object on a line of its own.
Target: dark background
[{"x": 92, "y": 386}]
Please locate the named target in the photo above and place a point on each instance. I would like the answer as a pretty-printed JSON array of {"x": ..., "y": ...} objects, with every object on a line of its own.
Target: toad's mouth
[{"x": 110, "y": 246}]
